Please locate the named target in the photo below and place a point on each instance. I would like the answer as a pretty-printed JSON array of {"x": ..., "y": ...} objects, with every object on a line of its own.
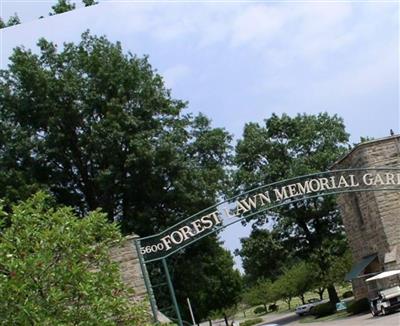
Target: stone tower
[{"x": 371, "y": 219}]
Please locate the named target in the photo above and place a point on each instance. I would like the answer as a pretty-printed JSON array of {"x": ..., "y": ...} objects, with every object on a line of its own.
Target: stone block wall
[
  {"x": 372, "y": 219},
  {"x": 131, "y": 273}
]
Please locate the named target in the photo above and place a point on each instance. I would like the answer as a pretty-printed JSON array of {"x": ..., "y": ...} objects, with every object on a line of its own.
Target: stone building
[{"x": 371, "y": 219}]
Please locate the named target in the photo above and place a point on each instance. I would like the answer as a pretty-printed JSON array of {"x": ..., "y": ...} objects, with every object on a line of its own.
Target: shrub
[
  {"x": 347, "y": 294},
  {"x": 259, "y": 310},
  {"x": 251, "y": 322},
  {"x": 358, "y": 306},
  {"x": 56, "y": 269},
  {"x": 273, "y": 307},
  {"x": 324, "y": 309}
]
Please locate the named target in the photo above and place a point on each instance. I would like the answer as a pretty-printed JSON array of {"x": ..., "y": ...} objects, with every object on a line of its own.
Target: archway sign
[{"x": 249, "y": 204}]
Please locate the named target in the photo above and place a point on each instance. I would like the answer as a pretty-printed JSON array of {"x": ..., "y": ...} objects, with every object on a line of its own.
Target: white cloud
[{"x": 258, "y": 24}]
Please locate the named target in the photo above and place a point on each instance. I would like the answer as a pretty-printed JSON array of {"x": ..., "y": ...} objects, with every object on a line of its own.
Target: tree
[
  {"x": 55, "y": 269},
  {"x": 88, "y": 3},
  {"x": 13, "y": 20},
  {"x": 283, "y": 288},
  {"x": 288, "y": 147},
  {"x": 302, "y": 278},
  {"x": 97, "y": 128},
  {"x": 335, "y": 266},
  {"x": 62, "y": 6},
  {"x": 261, "y": 293},
  {"x": 262, "y": 255},
  {"x": 213, "y": 284}
]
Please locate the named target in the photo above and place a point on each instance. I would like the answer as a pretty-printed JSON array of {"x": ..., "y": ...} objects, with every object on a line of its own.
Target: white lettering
[
  {"x": 186, "y": 230},
  {"x": 280, "y": 195},
  {"x": 367, "y": 179},
  {"x": 343, "y": 182},
  {"x": 353, "y": 182},
  {"x": 180, "y": 237},
  {"x": 167, "y": 242}
]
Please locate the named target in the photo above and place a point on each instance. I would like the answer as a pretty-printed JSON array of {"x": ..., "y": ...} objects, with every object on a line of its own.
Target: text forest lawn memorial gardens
[{"x": 262, "y": 198}]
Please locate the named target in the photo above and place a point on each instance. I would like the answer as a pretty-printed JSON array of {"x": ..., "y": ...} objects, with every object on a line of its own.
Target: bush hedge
[
  {"x": 358, "y": 306},
  {"x": 324, "y": 309},
  {"x": 259, "y": 310},
  {"x": 251, "y": 322}
]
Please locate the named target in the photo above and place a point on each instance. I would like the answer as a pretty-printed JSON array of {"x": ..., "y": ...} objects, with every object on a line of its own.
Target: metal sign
[{"x": 249, "y": 204}]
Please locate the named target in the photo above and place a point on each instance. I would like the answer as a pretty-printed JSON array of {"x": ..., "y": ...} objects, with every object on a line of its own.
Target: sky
[{"x": 240, "y": 62}]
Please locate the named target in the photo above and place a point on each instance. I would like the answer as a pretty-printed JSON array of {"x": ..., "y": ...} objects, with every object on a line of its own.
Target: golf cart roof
[{"x": 383, "y": 275}]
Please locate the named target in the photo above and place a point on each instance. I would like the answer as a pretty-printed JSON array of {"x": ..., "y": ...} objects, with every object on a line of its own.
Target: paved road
[
  {"x": 360, "y": 320},
  {"x": 291, "y": 319}
]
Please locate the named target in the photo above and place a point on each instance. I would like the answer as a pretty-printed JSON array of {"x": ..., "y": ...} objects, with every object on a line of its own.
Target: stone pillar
[
  {"x": 131, "y": 273},
  {"x": 127, "y": 258}
]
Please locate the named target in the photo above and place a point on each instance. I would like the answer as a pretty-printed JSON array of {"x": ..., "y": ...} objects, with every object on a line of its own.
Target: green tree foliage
[
  {"x": 211, "y": 282},
  {"x": 55, "y": 269},
  {"x": 288, "y": 147},
  {"x": 13, "y": 20},
  {"x": 88, "y": 3},
  {"x": 262, "y": 255},
  {"x": 301, "y": 277},
  {"x": 284, "y": 288},
  {"x": 261, "y": 293},
  {"x": 335, "y": 269},
  {"x": 97, "y": 128},
  {"x": 62, "y": 6}
]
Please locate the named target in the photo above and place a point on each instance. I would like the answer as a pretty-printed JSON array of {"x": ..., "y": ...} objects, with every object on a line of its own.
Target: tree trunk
[
  {"x": 333, "y": 296},
  {"x": 289, "y": 300},
  {"x": 302, "y": 299},
  {"x": 321, "y": 293},
  {"x": 226, "y": 320},
  {"x": 265, "y": 307}
]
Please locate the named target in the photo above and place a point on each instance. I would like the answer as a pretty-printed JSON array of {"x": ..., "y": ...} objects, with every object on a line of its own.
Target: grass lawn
[{"x": 283, "y": 307}]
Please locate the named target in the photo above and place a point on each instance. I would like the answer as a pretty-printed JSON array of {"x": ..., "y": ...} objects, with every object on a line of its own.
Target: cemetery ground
[
  {"x": 286, "y": 317},
  {"x": 283, "y": 306}
]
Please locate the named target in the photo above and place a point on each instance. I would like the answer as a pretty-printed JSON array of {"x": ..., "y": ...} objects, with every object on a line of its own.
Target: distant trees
[
  {"x": 59, "y": 7},
  {"x": 13, "y": 20},
  {"x": 65, "y": 5},
  {"x": 296, "y": 281},
  {"x": 261, "y": 293},
  {"x": 62, "y": 6},
  {"x": 286, "y": 147},
  {"x": 263, "y": 255}
]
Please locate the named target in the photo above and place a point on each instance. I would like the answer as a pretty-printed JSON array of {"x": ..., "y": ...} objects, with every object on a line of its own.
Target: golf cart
[{"x": 384, "y": 292}]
